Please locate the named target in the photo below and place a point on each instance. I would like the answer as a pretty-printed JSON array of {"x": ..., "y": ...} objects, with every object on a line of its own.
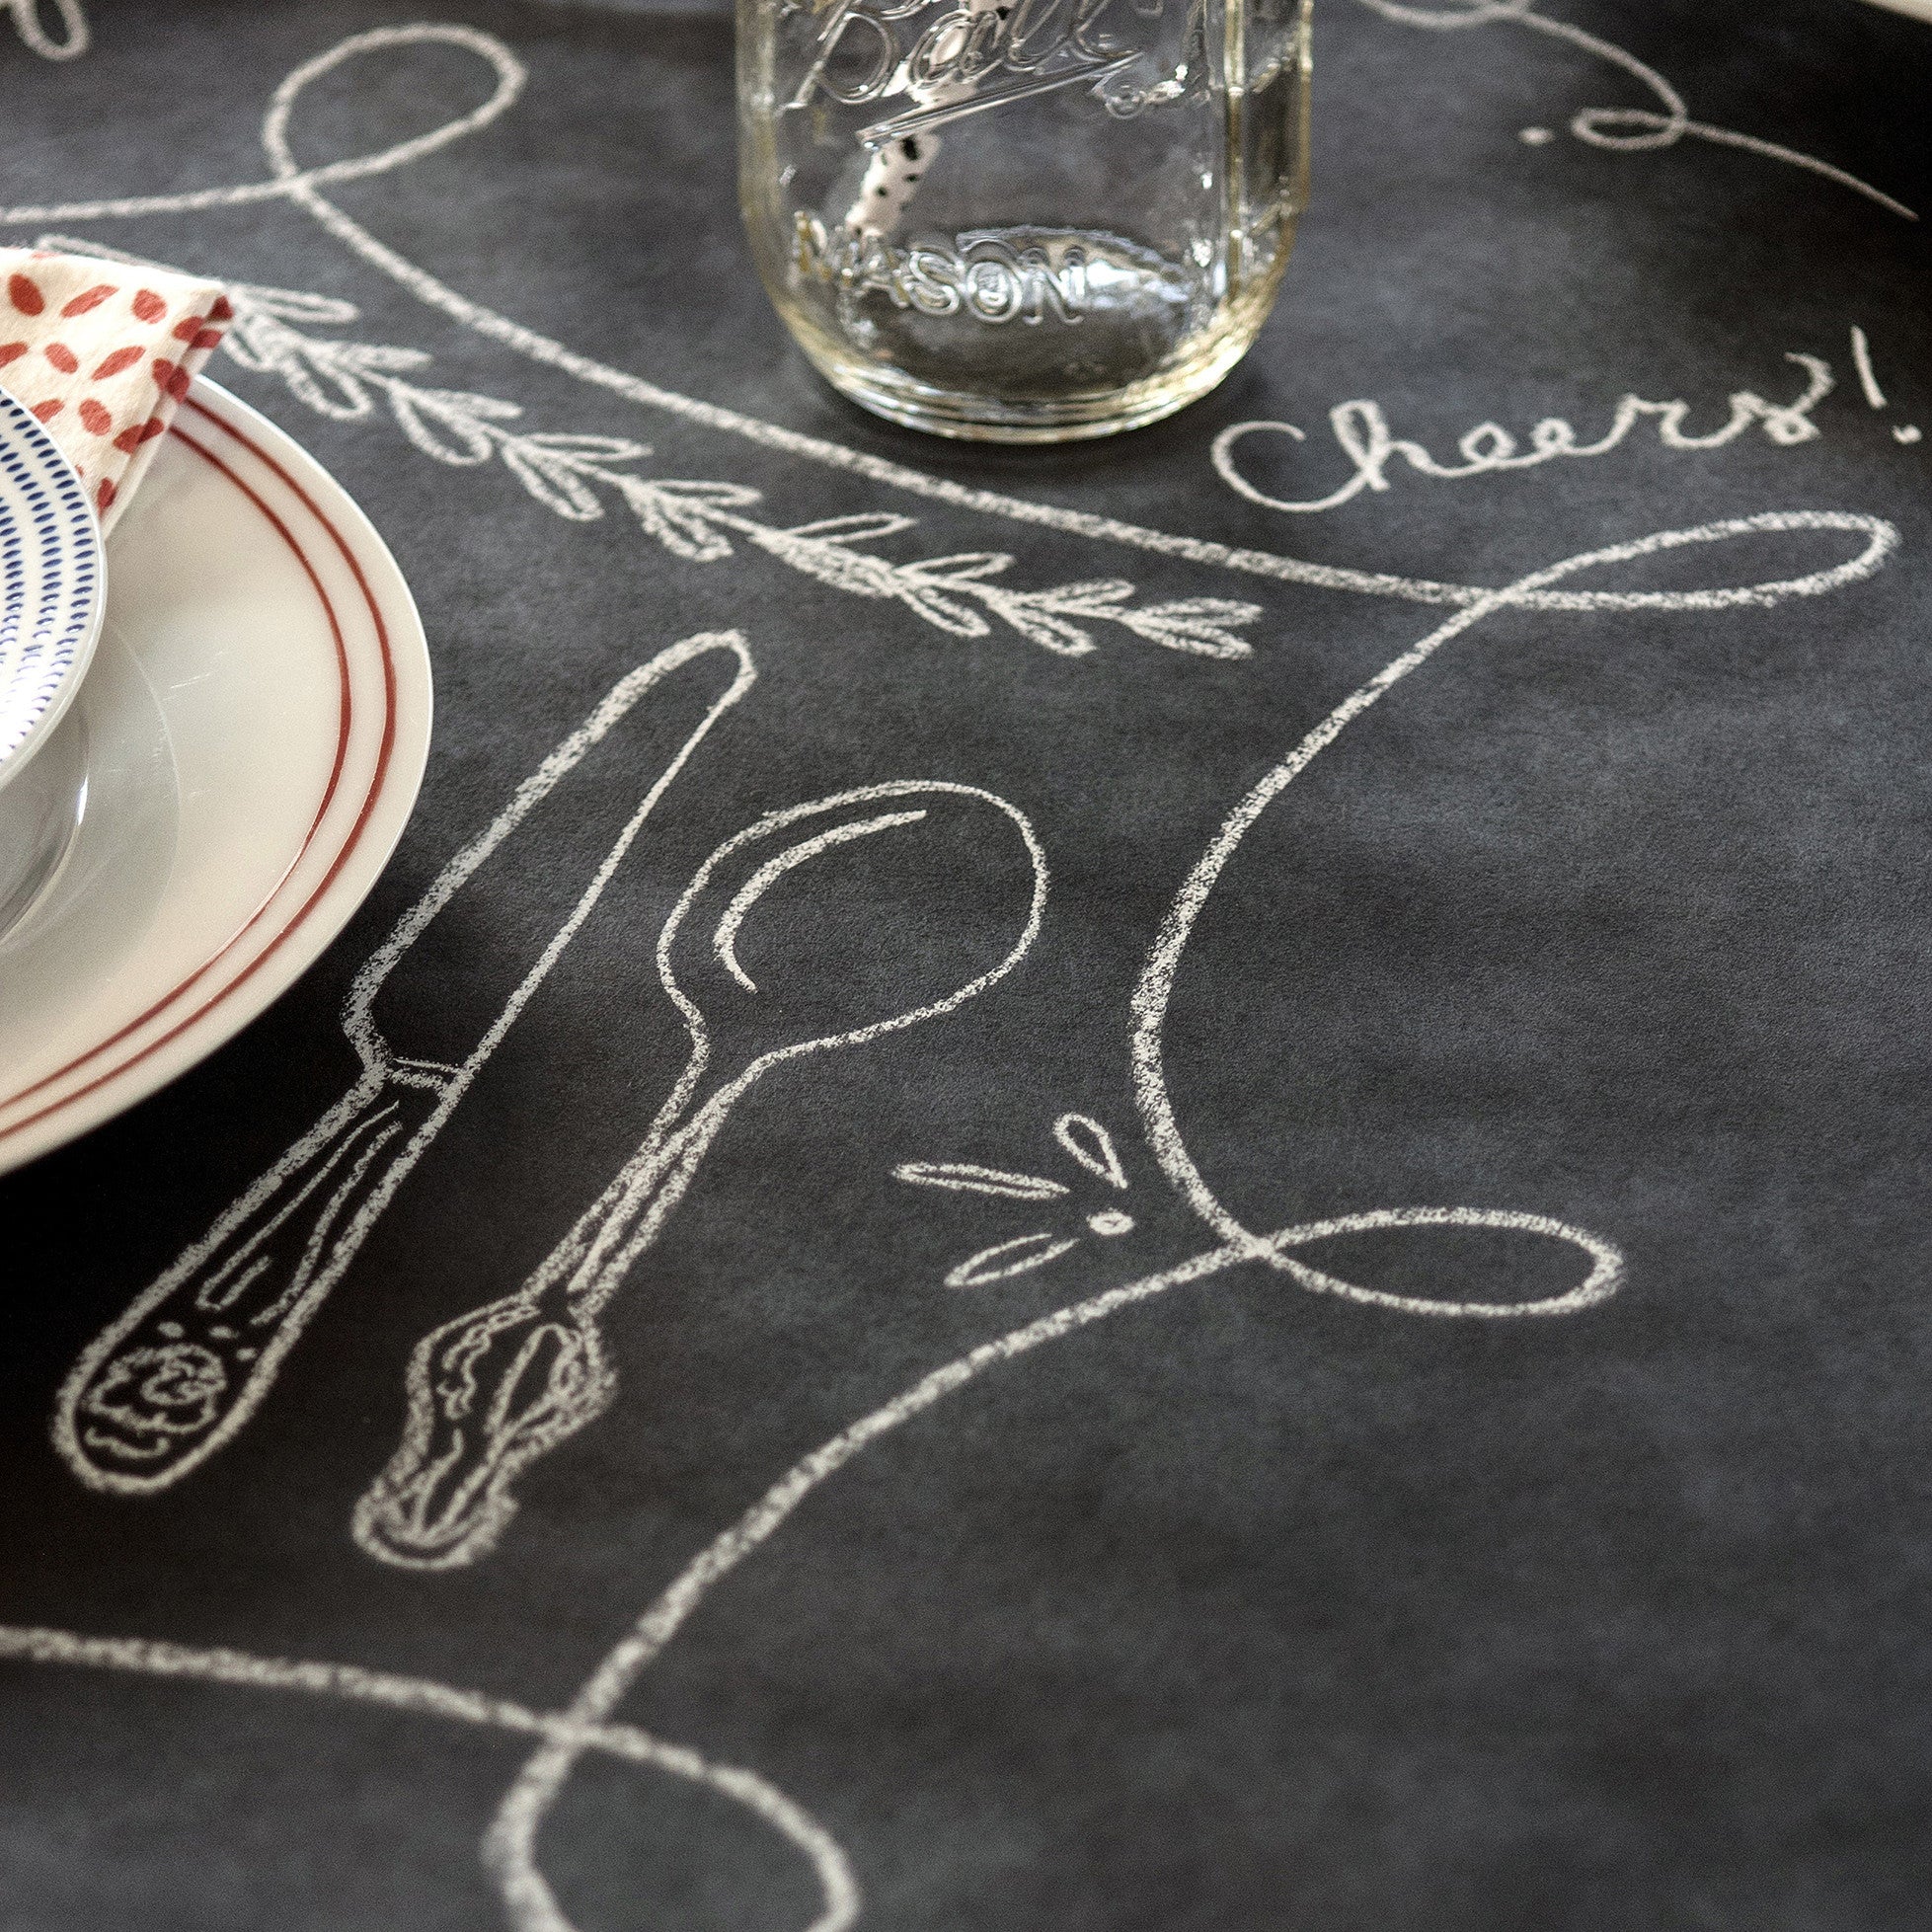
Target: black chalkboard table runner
[{"x": 1176, "y": 1184}]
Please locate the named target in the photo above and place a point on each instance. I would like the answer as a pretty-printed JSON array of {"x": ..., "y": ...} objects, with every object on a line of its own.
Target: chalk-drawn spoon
[
  {"x": 185, "y": 1364},
  {"x": 494, "y": 1389}
]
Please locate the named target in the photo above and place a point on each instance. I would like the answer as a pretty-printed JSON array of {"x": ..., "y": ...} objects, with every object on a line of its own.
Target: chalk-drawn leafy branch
[{"x": 273, "y": 334}]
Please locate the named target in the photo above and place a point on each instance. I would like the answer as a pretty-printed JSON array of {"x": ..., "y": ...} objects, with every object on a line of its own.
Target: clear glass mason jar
[{"x": 1022, "y": 220}]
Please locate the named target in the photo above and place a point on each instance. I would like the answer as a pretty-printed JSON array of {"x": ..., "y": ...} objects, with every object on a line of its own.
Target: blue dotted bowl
[{"x": 52, "y": 584}]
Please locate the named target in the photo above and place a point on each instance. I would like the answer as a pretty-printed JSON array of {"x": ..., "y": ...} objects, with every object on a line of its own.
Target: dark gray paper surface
[{"x": 1422, "y": 1094}]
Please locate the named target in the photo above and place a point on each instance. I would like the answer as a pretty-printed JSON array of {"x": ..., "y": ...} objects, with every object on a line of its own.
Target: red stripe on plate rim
[{"x": 365, "y": 810}]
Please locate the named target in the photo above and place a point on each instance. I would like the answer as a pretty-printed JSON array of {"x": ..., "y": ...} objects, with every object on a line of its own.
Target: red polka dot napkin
[{"x": 102, "y": 352}]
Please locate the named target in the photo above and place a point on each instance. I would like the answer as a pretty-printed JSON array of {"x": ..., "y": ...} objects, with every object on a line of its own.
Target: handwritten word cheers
[{"x": 1361, "y": 431}]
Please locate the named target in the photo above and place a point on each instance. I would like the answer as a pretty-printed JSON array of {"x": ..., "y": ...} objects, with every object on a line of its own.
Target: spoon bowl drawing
[
  {"x": 830, "y": 923},
  {"x": 823, "y": 926}
]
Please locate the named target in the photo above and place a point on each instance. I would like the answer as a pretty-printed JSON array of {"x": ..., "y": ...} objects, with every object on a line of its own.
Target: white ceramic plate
[
  {"x": 252, "y": 734},
  {"x": 51, "y": 583}
]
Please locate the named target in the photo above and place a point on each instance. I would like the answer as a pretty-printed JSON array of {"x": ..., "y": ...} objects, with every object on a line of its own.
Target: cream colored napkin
[{"x": 102, "y": 354}]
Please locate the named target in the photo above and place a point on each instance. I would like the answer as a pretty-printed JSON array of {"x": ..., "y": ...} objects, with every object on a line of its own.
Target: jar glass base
[{"x": 978, "y": 418}]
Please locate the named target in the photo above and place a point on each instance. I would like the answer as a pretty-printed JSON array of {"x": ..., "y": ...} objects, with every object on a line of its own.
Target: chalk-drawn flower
[
  {"x": 1088, "y": 1143},
  {"x": 157, "y": 1393}
]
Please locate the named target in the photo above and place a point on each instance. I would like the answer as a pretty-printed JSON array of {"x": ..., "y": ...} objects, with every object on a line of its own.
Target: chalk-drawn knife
[{"x": 185, "y": 1365}]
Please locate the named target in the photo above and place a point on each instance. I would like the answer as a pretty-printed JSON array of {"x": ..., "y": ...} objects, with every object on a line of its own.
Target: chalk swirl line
[
  {"x": 1624, "y": 130},
  {"x": 839, "y": 1897},
  {"x": 564, "y": 1738},
  {"x": 510, "y": 1845},
  {"x": 74, "y": 39},
  {"x": 289, "y": 179}
]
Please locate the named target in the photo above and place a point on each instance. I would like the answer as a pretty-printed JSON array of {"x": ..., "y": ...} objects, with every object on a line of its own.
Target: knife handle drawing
[{"x": 185, "y": 1365}]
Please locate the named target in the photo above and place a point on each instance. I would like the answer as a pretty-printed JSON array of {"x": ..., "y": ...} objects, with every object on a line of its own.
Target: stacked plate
[{"x": 210, "y": 738}]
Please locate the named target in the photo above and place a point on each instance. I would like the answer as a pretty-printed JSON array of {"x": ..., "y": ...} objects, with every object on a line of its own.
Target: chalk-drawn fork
[
  {"x": 185, "y": 1367},
  {"x": 497, "y": 1388}
]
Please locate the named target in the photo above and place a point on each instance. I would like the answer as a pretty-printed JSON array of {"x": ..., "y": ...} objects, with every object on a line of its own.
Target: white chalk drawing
[
  {"x": 963, "y": 1177},
  {"x": 1091, "y": 1146},
  {"x": 494, "y": 1389},
  {"x": 838, "y": 1890},
  {"x": 1868, "y": 381},
  {"x": 510, "y": 1845},
  {"x": 511, "y": 76},
  {"x": 1868, "y": 377},
  {"x": 1089, "y": 1143},
  {"x": 1619, "y": 130},
  {"x": 302, "y": 187},
  {"x": 696, "y": 520},
  {"x": 70, "y": 37},
  {"x": 1005, "y": 1259},
  {"x": 531, "y": 1369},
  {"x": 158, "y": 1392},
  {"x": 1362, "y": 434}
]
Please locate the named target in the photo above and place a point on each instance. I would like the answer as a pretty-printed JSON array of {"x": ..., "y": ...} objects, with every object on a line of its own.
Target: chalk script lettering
[
  {"x": 1361, "y": 431},
  {"x": 977, "y": 274}
]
